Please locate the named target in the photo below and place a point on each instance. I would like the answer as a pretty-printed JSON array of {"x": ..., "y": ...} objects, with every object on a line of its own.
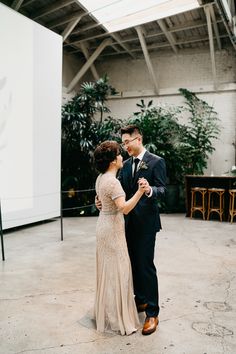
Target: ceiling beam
[
  {"x": 26, "y": 3},
  {"x": 232, "y": 6},
  {"x": 86, "y": 28},
  {"x": 86, "y": 54},
  {"x": 16, "y": 4},
  {"x": 65, "y": 19},
  {"x": 115, "y": 36},
  {"x": 88, "y": 39},
  {"x": 166, "y": 45},
  {"x": 229, "y": 26},
  {"x": 169, "y": 35},
  {"x": 88, "y": 63},
  {"x": 227, "y": 9},
  {"x": 188, "y": 25},
  {"x": 194, "y": 39},
  {"x": 213, "y": 17},
  {"x": 69, "y": 28},
  {"x": 211, "y": 43},
  {"x": 118, "y": 39},
  {"x": 56, "y": 5},
  {"x": 147, "y": 58}
]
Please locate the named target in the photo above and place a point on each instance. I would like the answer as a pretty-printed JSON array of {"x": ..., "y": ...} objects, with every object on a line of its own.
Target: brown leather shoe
[
  {"x": 141, "y": 307},
  {"x": 150, "y": 325}
]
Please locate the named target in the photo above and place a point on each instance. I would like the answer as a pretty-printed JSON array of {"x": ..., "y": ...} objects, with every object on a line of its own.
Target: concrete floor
[{"x": 47, "y": 290}]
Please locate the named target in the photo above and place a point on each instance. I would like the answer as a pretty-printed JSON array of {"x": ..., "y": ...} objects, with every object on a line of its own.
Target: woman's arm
[{"x": 126, "y": 206}]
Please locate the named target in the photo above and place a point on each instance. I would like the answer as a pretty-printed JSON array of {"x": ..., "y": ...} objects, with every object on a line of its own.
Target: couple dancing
[{"x": 126, "y": 277}]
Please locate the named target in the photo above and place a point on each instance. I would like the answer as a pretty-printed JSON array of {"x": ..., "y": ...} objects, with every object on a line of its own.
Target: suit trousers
[{"x": 141, "y": 247}]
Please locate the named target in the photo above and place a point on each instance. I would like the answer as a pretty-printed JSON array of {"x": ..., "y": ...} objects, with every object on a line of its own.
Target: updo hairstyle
[{"x": 104, "y": 154}]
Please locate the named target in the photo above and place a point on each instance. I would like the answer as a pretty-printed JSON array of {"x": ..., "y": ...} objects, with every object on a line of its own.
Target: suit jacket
[{"x": 145, "y": 216}]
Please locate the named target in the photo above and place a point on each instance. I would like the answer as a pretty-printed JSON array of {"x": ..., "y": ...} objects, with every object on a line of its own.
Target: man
[{"x": 143, "y": 222}]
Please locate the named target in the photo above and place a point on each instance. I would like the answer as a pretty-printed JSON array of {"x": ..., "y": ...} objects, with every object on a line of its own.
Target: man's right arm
[{"x": 98, "y": 203}]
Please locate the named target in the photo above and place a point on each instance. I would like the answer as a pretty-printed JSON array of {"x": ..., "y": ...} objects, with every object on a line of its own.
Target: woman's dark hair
[
  {"x": 130, "y": 129},
  {"x": 104, "y": 154}
]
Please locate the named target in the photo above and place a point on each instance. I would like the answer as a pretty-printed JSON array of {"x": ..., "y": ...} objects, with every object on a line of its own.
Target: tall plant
[
  {"x": 79, "y": 131},
  {"x": 198, "y": 135}
]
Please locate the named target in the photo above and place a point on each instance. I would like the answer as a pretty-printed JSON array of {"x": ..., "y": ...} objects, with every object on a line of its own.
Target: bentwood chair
[{"x": 198, "y": 201}]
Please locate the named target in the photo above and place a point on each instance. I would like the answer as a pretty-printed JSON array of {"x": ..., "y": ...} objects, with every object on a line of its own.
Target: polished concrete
[{"x": 47, "y": 290}]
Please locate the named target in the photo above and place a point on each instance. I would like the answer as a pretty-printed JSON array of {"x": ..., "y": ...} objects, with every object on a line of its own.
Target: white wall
[{"x": 191, "y": 68}]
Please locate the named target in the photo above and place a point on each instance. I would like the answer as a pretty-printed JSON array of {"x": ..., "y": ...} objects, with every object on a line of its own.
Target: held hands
[{"x": 144, "y": 186}]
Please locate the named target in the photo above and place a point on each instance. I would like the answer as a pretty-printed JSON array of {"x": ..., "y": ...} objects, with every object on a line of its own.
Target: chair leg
[
  {"x": 232, "y": 209},
  {"x": 203, "y": 206},
  {"x": 209, "y": 205},
  {"x": 220, "y": 195},
  {"x": 192, "y": 203}
]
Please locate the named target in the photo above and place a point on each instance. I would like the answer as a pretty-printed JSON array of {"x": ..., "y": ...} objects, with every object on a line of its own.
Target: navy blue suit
[{"x": 142, "y": 224}]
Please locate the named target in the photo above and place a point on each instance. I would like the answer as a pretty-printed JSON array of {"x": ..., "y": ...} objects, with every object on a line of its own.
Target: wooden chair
[
  {"x": 216, "y": 202},
  {"x": 232, "y": 204},
  {"x": 198, "y": 202}
]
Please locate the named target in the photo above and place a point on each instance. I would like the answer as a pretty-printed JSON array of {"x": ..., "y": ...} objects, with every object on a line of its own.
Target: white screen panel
[{"x": 30, "y": 120}]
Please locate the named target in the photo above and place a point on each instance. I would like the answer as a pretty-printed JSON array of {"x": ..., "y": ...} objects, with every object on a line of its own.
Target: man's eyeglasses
[{"x": 127, "y": 142}]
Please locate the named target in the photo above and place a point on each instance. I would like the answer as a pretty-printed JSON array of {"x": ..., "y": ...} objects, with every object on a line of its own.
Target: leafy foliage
[
  {"x": 203, "y": 128},
  {"x": 185, "y": 147},
  {"x": 161, "y": 133},
  {"x": 81, "y": 133},
  {"x": 80, "y": 130}
]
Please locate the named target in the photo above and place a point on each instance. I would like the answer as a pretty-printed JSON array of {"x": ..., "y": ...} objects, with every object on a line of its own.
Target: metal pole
[
  {"x": 1, "y": 232},
  {"x": 61, "y": 218}
]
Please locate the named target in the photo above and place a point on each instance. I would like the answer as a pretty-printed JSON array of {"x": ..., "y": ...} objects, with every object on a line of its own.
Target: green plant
[
  {"x": 162, "y": 134},
  {"x": 93, "y": 95},
  {"x": 197, "y": 139},
  {"x": 79, "y": 130},
  {"x": 81, "y": 133},
  {"x": 185, "y": 147}
]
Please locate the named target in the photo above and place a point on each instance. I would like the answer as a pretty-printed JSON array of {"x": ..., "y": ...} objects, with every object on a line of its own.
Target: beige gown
[{"x": 115, "y": 307}]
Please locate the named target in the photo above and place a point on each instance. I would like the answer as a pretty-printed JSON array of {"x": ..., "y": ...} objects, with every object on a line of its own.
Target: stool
[
  {"x": 214, "y": 205},
  {"x": 201, "y": 192},
  {"x": 232, "y": 205}
]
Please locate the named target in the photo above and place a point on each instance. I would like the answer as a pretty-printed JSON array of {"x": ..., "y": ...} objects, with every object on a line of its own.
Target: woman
[{"x": 115, "y": 307}]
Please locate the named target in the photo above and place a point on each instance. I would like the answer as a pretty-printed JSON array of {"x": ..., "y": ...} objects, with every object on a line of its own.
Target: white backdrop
[{"x": 30, "y": 120}]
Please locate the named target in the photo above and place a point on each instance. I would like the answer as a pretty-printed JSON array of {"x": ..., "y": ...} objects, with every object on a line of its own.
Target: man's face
[{"x": 132, "y": 143}]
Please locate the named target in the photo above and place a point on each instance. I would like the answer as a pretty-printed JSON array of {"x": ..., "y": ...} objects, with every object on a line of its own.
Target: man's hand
[{"x": 98, "y": 203}]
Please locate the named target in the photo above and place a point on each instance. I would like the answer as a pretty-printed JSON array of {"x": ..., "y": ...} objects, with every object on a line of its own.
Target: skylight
[{"x": 116, "y": 15}]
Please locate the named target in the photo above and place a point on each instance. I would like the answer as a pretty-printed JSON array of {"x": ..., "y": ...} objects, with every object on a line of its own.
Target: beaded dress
[{"x": 115, "y": 307}]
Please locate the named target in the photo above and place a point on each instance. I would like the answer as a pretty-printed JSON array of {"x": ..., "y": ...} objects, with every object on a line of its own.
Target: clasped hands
[{"x": 144, "y": 185}]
